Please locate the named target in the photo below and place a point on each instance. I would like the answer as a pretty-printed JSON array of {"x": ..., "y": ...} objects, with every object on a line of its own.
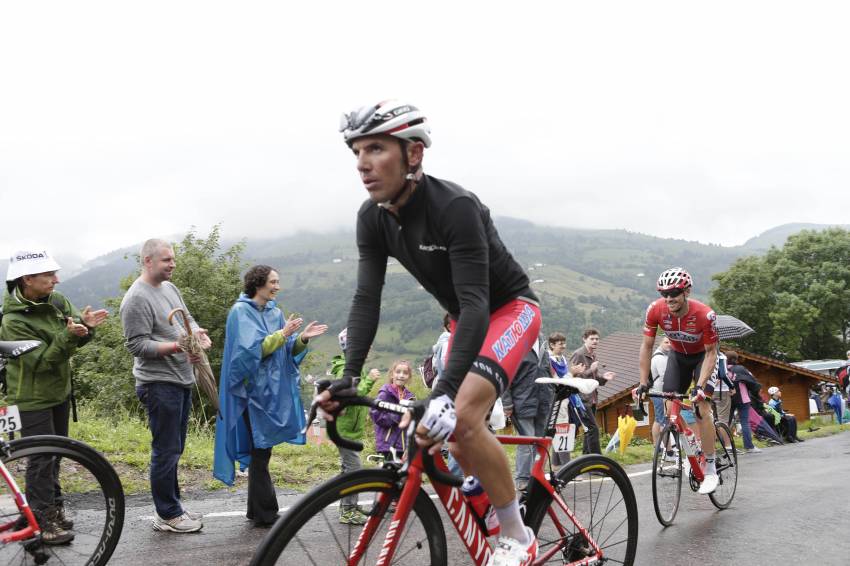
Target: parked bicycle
[
  {"x": 91, "y": 493},
  {"x": 676, "y": 445},
  {"x": 584, "y": 514}
]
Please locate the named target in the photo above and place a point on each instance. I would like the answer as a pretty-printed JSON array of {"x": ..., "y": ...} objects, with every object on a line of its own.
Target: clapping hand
[
  {"x": 291, "y": 326},
  {"x": 93, "y": 319},
  {"x": 78, "y": 330},
  {"x": 577, "y": 369},
  {"x": 314, "y": 329}
]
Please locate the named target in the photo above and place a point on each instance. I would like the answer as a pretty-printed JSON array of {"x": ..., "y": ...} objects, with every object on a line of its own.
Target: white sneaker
[
  {"x": 510, "y": 552},
  {"x": 709, "y": 484},
  {"x": 753, "y": 450},
  {"x": 180, "y": 524}
]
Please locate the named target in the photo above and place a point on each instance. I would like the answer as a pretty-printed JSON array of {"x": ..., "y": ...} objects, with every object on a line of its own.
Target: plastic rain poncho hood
[{"x": 268, "y": 388}]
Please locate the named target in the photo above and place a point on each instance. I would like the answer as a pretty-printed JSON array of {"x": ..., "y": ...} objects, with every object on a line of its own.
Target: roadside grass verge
[{"x": 125, "y": 440}]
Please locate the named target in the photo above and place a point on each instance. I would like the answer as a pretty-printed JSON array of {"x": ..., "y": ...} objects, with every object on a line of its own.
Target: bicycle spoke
[
  {"x": 602, "y": 501},
  {"x": 311, "y": 530}
]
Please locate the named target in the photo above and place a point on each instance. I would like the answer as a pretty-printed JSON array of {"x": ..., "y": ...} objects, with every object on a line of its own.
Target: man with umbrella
[{"x": 164, "y": 377}]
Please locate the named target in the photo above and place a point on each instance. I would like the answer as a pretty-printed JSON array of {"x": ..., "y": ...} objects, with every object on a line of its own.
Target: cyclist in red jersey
[{"x": 691, "y": 328}]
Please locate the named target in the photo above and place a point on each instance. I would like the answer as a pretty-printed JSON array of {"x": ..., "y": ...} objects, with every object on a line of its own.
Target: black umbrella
[{"x": 730, "y": 328}]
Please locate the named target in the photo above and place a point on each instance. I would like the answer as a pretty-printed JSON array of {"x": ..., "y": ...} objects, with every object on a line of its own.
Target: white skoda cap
[{"x": 27, "y": 262}]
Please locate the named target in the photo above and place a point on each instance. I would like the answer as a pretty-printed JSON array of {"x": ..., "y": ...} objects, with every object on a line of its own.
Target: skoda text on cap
[{"x": 28, "y": 262}]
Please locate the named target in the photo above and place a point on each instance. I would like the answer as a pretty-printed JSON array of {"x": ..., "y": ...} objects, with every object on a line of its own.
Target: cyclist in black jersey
[{"x": 444, "y": 236}]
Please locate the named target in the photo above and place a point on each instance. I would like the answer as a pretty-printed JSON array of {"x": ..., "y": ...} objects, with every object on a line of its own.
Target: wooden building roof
[{"x": 619, "y": 352}]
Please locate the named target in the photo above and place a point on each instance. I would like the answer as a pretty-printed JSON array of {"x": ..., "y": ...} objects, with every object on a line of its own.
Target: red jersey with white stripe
[{"x": 689, "y": 334}]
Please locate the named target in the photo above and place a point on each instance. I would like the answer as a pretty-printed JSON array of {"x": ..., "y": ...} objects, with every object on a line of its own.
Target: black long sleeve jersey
[{"x": 445, "y": 238}]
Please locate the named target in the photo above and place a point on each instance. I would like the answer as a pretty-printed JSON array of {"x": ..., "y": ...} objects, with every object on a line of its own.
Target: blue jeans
[
  {"x": 744, "y": 416},
  {"x": 168, "y": 406},
  {"x": 524, "y": 452}
]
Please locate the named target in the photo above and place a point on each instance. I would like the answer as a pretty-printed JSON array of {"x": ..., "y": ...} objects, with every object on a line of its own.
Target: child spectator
[
  {"x": 387, "y": 433},
  {"x": 351, "y": 424}
]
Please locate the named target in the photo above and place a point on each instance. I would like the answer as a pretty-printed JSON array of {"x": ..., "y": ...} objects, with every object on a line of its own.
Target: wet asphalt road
[{"x": 791, "y": 507}]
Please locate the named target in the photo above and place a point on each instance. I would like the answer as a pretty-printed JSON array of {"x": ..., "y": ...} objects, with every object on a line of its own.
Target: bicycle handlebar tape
[
  {"x": 331, "y": 425},
  {"x": 441, "y": 476}
]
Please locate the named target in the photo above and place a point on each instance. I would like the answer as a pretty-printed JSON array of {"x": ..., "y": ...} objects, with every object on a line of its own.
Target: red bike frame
[
  {"x": 461, "y": 513},
  {"x": 674, "y": 414},
  {"x": 7, "y": 534}
]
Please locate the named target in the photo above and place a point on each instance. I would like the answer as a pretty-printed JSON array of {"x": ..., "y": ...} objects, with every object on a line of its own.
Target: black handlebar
[
  {"x": 670, "y": 395},
  {"x": 435, "y": 473}
]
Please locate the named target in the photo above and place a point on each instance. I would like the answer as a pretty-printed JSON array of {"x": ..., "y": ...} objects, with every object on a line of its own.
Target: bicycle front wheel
[
  {"x": 87, "y": 490},
  {"x": 317, "y": 530},
  {"x": 726, "y": 461},
  {"x": 667, "y": 475},
  {"x": 600, "y": 496}
]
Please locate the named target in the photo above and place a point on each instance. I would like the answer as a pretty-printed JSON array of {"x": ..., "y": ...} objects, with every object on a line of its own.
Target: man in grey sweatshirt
[{"x": 164, "y": 378}]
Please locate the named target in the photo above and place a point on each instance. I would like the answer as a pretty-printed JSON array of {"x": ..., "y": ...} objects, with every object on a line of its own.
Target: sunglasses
[{"x": 672, "y": 293}]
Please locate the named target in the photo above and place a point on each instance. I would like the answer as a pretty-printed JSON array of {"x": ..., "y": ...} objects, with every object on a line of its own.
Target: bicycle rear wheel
[
  {"x": 599, "y": 494},
  {"x": 726, "y": 461},
  {"x": 88, "y": 490},
  {"x": 667, "y": 475},
  {"x": 311, "y": 531}
]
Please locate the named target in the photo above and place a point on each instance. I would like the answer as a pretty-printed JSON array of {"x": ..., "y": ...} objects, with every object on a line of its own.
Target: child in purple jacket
[{"x": 387, "y": 432}]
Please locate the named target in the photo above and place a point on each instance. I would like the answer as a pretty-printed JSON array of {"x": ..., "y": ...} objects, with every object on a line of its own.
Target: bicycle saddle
[
  {"x": 584, "y": 386},
  {"x": 17, "y": 348}
]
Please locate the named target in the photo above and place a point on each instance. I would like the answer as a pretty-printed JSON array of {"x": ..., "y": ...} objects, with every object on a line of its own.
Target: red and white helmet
[
  {"x": 674, "y": 278},
  {"x": 390, "y": 117}
]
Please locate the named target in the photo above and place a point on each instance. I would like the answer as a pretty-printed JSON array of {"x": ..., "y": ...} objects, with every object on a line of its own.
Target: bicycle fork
[{"x": 8, "y": 533}]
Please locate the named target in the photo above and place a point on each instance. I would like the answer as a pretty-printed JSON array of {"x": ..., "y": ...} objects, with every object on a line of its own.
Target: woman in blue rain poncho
[{"x": 260, "y": 404}]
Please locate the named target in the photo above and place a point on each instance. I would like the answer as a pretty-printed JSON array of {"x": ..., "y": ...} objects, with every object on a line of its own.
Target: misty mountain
[
  {"x": 778, "y": 235},
  {"x": 603, "y": 278}
]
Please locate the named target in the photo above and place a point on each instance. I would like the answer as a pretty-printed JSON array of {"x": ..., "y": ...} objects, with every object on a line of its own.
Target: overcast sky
[{"x": 704, "y": 121}]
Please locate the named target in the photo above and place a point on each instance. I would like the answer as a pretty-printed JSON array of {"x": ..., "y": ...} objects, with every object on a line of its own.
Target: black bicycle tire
[
  {"x": 321, "y": 496},
  {"x": 659, "y": 453},
  {"x": 713, "y": 496},
  {"x": 609, "y": 468},
  {"x": 98, "y": 466}
]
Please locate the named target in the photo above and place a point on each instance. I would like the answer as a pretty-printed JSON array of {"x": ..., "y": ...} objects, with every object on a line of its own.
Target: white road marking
[{"x": 216, "y": 514}]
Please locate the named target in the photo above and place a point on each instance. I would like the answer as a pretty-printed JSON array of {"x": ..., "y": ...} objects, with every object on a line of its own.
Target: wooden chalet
[{"x": 619, "y": 353}]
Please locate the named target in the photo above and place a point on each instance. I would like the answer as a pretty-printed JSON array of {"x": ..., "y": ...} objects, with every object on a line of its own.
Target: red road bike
[
  {"x": 584, "y": 514},
  {"x": 88, "y": 489},
  {"x": 672, "y": 451}
]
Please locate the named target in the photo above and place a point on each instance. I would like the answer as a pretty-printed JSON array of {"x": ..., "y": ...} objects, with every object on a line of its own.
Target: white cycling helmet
[
  {"x": 674, "y": 278},
  {"x": 390, "y": 117},
  {"x": 773, "y": 391},
  {"x": 343, "y": 339}
]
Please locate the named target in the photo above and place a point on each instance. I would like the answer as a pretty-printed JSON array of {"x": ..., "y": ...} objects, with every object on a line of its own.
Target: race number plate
[
  {"x": 10, "y": 419},
  {"x": 565, "y": 437}
]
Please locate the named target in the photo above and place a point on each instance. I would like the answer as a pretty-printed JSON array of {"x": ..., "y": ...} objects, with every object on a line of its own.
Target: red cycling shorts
[{"x": 513, "y": 329}]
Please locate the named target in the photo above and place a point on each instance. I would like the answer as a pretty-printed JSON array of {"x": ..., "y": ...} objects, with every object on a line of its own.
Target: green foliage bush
[{"x": 796, "y": 298}]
